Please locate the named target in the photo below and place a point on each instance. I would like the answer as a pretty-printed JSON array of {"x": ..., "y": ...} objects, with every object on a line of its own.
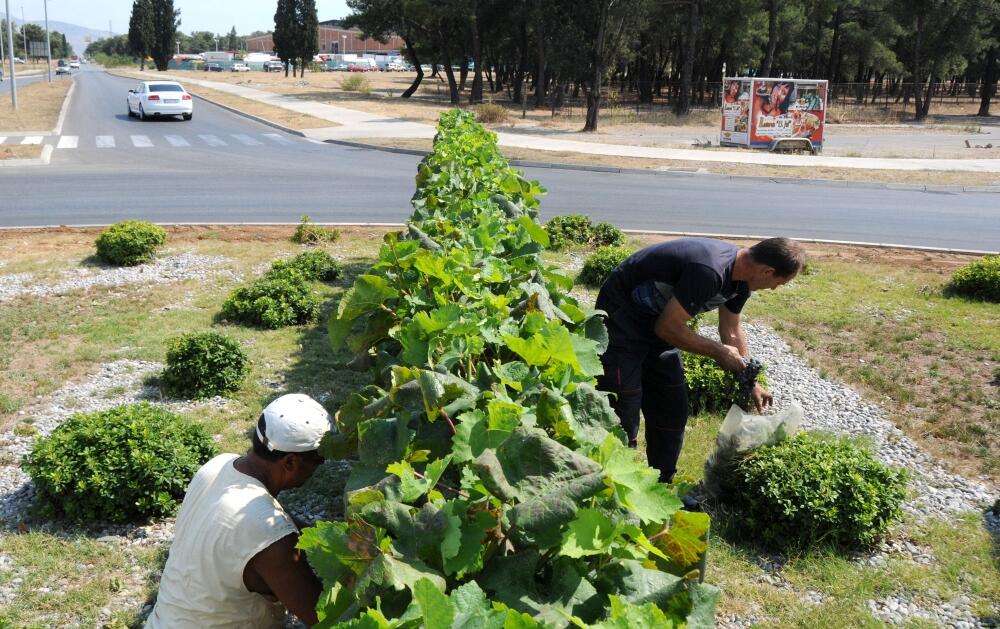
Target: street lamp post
[
  {"x": 48, "y": 41},
  {"x": 10, "y": 57},
  {"x": 344, "y": 47}
]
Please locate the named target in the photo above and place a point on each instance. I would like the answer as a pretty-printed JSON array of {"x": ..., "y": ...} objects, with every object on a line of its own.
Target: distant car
[
  {"x": 18, "y": 60},
  {"x": 62, "y": 70},
  {"x": 213, "y": 67},
  {"x": 239, "y": 67},
  {"x": 74, "y": 65},
  {"x": 340, "y": 67},
  {"x": 159, "y": 98},
  {"x": 274, "y": 66}
]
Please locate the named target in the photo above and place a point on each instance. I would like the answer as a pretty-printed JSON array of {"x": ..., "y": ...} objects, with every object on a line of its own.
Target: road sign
[{"x": 37, "y": 49}]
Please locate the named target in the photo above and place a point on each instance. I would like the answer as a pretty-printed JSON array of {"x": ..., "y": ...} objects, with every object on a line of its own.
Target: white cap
[{"x": 293, "y": 423}]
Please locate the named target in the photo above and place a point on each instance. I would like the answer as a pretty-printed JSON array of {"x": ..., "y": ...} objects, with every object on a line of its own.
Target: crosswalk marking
[
  {"x": 3, "y": 139},
  {"x": 246, "y": 139},
  {"x": 212, "y": 140},
  {"x": 280, "y": 139},
  {"x": 141, "y": 141},
  {"x": 68, "y": 142},
  {"x": 176, "y": 140},
  {"x": 32, "y": 139},
  {"x": 105, "y": 141}
]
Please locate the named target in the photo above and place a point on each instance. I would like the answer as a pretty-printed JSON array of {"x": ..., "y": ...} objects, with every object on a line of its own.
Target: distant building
[{"x": 335, "y": 39}]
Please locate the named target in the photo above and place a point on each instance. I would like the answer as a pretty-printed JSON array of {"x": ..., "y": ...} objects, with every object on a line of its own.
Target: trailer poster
[
  {"x": 787, "y": 109},
  {"x": 735, "y": 112}
]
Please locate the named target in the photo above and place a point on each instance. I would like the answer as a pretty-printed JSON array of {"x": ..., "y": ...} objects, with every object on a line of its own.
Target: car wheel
[
  {"x": 142, "y": 114},
  {"x": 187, "y": 116}
]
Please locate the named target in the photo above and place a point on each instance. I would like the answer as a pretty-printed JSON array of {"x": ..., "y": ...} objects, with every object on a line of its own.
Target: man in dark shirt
[{"x": 650, "y": 298}]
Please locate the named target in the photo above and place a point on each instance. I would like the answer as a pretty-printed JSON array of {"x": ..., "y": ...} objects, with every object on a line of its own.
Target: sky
[{"x": 217, "y": 16}]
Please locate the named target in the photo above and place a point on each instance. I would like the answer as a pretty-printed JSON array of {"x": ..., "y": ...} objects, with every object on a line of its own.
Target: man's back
[{"x": 226, "y": 518}]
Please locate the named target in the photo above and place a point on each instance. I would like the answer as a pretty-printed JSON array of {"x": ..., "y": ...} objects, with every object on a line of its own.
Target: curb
[
  {"x": 631, "y": 232},
  {"x": 33, "y": 161},
  {"x": 65, "y": 108},
  {"x": 234, "y": 110}
]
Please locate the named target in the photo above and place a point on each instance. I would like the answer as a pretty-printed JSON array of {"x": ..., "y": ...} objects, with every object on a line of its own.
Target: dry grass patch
[
  {"x": 38, "y": 106},
  {"x": 18, "y": 151},
  {"x": 926, "y": 177}
]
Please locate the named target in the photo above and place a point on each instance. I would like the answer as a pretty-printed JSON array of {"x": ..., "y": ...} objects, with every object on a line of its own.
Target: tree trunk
[
  {"x": 411, "y": 54},
  {"x": 918, "y": 80},
  {"x": 644, "y": 74},
  {"x": 682, "y": 107},
  {"x": 463, "y": 73},
  {"x": 540, "y": 70},
  {"x": 989, "y": 82},
  {"x": 772, "y": 37},
  {"x": 931, "y": 87},
  {"x": 597, "y": 69},
  {"x": 476, "y": 96},
  {"x": 452, "y": 85}
]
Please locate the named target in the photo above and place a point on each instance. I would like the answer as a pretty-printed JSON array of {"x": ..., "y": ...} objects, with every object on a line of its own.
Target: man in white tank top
[{"x": 233, "y": 562}]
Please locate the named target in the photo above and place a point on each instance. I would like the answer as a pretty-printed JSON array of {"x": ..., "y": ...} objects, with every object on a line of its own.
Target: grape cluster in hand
[{"x": 747, "y": 379}]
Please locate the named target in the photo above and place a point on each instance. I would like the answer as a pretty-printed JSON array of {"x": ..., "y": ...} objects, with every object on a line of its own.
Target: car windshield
[{"x": 165, "y": 87}]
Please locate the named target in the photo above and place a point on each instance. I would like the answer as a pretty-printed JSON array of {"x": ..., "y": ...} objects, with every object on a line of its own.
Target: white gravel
[{"x": 163, "y": 270}]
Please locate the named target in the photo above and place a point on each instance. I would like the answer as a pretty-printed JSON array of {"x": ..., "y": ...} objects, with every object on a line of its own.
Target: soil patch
[{"x": 38, "y": 109}]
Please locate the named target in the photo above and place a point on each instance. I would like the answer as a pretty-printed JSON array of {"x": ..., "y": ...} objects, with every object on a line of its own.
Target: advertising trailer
[{"x": 758, "y": 111}]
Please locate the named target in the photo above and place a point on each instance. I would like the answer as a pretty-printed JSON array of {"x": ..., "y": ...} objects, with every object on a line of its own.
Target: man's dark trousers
[{"x": 644, "y": 373}]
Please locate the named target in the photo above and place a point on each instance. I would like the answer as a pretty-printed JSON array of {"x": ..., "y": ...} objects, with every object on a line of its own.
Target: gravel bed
[{"x": 163, "y": 270}]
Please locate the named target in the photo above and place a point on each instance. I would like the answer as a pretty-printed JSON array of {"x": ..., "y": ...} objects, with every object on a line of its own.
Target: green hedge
[
  {"x": 577, "y": 229},
  {"x": 314, "y": 265},
  {"x": 130, "y": 242},
  {"x": 204, "y": 364},
  {"x": 279, "y": 298},
  {"x": 978, "y": 280},
  {"x": 600, "y": 264},
  {"x": 710, "y": 388},
  {"x": 121, "y": 465}
]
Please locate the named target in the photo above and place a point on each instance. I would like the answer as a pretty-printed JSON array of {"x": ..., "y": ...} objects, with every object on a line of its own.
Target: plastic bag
[{"x": 743, "y": 432}]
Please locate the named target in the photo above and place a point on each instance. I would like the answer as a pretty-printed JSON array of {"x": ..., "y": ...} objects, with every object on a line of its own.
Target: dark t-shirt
[{"x": 696, "y": 271}]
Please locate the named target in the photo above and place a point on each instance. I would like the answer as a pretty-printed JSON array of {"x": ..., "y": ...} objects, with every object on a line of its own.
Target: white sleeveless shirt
[{"x": 226, "y": 518}]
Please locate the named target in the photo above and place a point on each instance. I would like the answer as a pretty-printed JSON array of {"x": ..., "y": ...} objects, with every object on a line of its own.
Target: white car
[
  {"x": 159, "y": 98},
  {"x": 74, "y": 65},
  {"x": 239, "y": 67}
]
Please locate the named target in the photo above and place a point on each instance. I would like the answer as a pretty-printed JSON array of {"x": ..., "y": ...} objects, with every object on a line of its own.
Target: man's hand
[
  {"x": 761, "y": 398},
  {"x": 729, "y": 358}
]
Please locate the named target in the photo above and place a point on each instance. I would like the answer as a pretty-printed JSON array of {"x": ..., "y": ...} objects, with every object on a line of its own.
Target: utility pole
[
  {"x": 10, "y": 57},
  {"x": 24, "y": 34},
  {"x": 48, "y": 41}
]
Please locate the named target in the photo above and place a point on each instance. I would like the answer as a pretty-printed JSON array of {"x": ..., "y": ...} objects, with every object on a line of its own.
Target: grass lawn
[
  {"x": 38, "y": 106},
  {"x": 883, "y": 307}
]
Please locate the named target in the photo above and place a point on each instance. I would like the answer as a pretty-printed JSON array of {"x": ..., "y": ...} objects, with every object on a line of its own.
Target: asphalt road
[
  {"x": 21, "y": 82},
  {"x": 224, "y": 168}
]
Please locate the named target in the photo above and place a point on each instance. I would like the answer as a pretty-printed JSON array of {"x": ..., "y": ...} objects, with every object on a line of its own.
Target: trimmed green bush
[
  {"x": 204, "y": 364},
  {"x": 314, "y": 265},
  {"x": 978, "y": 280},
  {"x": 306, "y": 233},
  {"x": 710, "y": 388},
  {"x": 280, "y": 298},
  {"x": 809, "y": 490},
  {"x": 600, "y": 264},
  {"x": 577, "y": 229},
  {"x": 129, "y": 243},
  {"x": 121, "y": 465}
]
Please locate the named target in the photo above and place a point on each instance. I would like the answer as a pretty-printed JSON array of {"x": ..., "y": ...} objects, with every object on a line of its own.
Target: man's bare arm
[
  {"x": 731, "y": 331},
  {"x": 283, "y": 569},
  {"x": 671, "y": 326}
]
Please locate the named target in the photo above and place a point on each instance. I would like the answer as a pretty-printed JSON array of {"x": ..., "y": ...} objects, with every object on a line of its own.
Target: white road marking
[
  {"x": 3, "y": 139},
  {"x": 105, "y": 141},
  {"x": 280, "y": 139},
  {"x": 176, "y": 140},
  {"x": 141, "y": 141},
  {"x": 68, "y": 142},
  {"x": 212, "y": 140},
  {"x": 32, "y": 139},
  {"x": 246, "y": 139}
]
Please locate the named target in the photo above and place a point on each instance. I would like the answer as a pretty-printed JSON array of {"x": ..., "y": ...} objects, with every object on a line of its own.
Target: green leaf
[
  {"x": 338, "y": 330},
  {"x": 638, "y": 584},
  {"x": 684, "y": 543},
  {"x": 704, "y": 598},
  {"x": 368, "y": 293},
  {"x": 636, "y": 485},
  {"x": 590, "y": 533},
  {"x": 437, "y": 610},
  {"x": 338, "y": 548},
  {"x": 473, "y": 436},
  {"x": 625, "y": 615},
  {"x": 592, "y": 413}
]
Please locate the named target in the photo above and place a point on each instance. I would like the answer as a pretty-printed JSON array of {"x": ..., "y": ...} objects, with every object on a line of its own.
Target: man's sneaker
[{"x": 691, "y": 503}]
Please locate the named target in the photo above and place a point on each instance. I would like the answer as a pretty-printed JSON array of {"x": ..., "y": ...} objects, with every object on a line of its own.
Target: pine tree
[
  {"x": 308, "y": 40},
  {"x": 285, "y": 31},
  {"x": 165, "y": 20},
  {"x": 232, "y": 40},
  {"x": 140, "y": 30}
]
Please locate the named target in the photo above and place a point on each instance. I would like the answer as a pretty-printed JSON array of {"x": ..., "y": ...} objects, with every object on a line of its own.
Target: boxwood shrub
[
  {"x": 600, "y": 264},
  {"x": 813, "y": 489},
  {"x": 710, "y": 388},
  {"x": 120, "y": 465},
  {"x": 979, "y": 279},
  {"x": 203, "y": 364},
  {"x": 279, "y": 298},
  {"x": 577, "y": 229},
  {"x": 129, "y": 243},
  {"x": 314, "y": 265}
]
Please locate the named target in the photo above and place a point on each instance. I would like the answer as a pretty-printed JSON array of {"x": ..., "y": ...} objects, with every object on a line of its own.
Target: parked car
[
  {"x": 274, "y": 66},
  {"x": 213, "y": 67},
  {"x": 339, "y": 67},
  {"x": 159, "y": 98},
  {"x": 239, "y": 67}
]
